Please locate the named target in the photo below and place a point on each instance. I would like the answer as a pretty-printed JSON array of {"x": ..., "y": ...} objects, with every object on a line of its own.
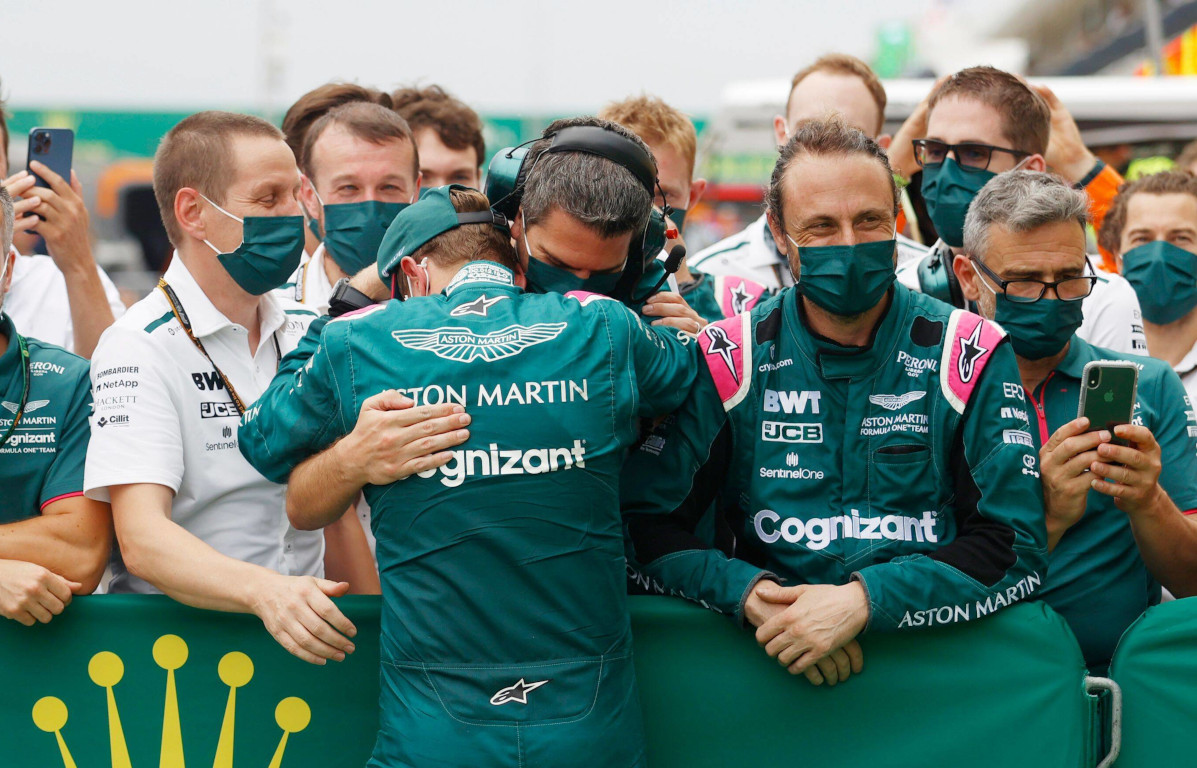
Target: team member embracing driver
[
  {"x": 853, "y": 433},
  {"x": 514, "y": 538}
]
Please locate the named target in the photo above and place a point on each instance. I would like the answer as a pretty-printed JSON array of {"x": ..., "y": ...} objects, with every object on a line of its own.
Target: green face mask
[
  {"x": 353, "y": 232},
  {"x": 846, "y": 280},
  {"x": 1039, "y": 329},
  {"x": 270, "y": 249},
  {"x": 948, "y": 191},
  {"x": 545, "y": 278},
  {"x": 678, "y": 217},
  {"x": 1165, "y": 278}
]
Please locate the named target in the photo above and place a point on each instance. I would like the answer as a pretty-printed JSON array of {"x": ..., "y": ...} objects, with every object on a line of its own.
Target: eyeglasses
[
  {"x": 969, "y": 155},
  {"x": 1031, "y": 291}
]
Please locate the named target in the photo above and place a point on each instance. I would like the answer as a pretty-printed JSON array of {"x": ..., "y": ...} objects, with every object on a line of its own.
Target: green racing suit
[
  {"x": 505, "y": 633},
  {"x": 907, "y": 465}
]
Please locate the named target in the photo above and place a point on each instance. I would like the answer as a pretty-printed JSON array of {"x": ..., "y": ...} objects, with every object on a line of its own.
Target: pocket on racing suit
[
  {"x": 902, "y": 500},
  {"x": 543, "y": 712}
]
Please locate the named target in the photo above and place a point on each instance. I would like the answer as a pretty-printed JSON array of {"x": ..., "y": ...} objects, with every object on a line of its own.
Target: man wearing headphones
[
  {"x": 981, "y": 122},
  {"x": 513, "y": 539}
]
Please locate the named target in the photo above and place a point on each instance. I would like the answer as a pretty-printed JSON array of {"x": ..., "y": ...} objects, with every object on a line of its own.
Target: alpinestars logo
[
  {"x": 517, "y": 693},
  {"x": 970, "y": 352},
  {"x": 739, "y": 299},
  {"x": 895, "y": 402},
  {"x": 478, "y": 306},
  {"x": 30, "y": 407},
  {"x": 722, "y": 345},
  {"x": 462, "y": 345}
]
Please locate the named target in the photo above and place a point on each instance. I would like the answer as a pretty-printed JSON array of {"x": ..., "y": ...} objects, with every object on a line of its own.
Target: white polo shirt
[
  {"x": 309, "y": 284},
  {"x": 38, "y": 303},
  {"x": 163, "y": 415},
  {"x": 1186, "y": 369}
]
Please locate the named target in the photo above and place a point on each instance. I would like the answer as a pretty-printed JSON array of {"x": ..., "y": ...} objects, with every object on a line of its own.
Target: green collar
[
  {"x": 1079, "y": 353},
  {"x": 836, "y": 361}
]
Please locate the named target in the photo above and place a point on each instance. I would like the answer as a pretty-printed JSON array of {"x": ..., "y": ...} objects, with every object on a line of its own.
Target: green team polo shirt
[
  {"x": 1095, "y": 577},
  {"x": 42, "y": 461}
]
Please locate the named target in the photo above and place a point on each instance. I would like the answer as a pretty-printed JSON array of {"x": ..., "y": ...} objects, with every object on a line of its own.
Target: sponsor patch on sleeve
[
  {"x": 726, "y": 351},
  {"x": 736, "y": 295},
  {"x": 969, "y": 346}
]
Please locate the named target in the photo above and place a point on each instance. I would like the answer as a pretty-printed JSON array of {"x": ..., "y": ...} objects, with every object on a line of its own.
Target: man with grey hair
[
  {"x": 53, "y": 542},
  {"x": 1113, "y": 497},
  {"x": 856, "y": 437}
]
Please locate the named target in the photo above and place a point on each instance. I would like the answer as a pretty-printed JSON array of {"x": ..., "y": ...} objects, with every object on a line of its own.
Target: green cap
[{"x": 421, "y": 222}]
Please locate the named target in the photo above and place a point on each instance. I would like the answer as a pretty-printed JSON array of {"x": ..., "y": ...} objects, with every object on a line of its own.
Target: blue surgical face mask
[
  {"x": 270, "y": 250},
  {"x": 845, "y": 280},
  {"x": 545, "y": 278}
]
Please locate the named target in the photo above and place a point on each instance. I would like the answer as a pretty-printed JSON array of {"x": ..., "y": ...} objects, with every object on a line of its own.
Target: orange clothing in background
[{"x": 1101, "y": 193}]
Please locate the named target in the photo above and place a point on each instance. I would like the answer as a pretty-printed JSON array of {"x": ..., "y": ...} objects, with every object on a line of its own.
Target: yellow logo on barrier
[{"x": 170, "y": 653}]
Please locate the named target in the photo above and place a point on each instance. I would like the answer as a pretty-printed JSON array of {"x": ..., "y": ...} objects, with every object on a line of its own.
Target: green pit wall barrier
[
  {"x": 142, "y": 681},
  {"x": 1156, "y": 666}
]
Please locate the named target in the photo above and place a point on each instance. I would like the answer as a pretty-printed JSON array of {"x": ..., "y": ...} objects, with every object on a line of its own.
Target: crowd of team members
[{"x": 808, "y": 430}]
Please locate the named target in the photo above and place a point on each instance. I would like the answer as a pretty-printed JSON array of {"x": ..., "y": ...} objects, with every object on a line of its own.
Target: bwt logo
[
  {"x": 792, "y": 401},
  {"x": 207, "y": 382},
  {"x": 783, "y": 432}
]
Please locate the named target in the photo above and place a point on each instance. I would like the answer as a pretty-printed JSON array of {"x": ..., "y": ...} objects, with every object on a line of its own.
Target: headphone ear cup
[{"x": 954, "y": 290}]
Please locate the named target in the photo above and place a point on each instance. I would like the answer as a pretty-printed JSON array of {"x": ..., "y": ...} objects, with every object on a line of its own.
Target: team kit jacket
[
  {"x": 907, "y": 465},
  {"x": 505, "y": 634},
  {"x": 42, "y": 460}
]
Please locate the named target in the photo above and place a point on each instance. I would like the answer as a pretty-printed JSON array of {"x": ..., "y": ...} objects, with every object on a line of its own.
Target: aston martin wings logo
[
  {"x": 894, "y": 402},
  {"x": 463, "y": 345},
  {"x": 970, "y": 352},
  {"x": 30, "y": 407},
  {"x": 517, "y": 693}
]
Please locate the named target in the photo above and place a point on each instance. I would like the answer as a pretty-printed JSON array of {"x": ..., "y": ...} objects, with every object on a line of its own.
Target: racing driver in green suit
[
  {"x": 858, "y": 439},
  {"x": 505, "y": 633}
]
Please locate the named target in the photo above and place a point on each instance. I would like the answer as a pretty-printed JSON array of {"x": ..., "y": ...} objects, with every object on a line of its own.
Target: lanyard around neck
[
  {"x": 176, "y": 307},
  {"x": 16, "y": 419}
]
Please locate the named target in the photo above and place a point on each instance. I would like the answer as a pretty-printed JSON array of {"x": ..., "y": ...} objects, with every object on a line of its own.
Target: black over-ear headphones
[{"x": 508, "y": 173}]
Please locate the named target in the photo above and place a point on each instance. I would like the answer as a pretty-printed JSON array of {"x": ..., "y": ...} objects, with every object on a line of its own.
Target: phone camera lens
[{"x": 41, "y": 142}]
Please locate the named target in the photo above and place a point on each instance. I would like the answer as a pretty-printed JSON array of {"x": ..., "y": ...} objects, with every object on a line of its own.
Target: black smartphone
[
  {"x": 53, "y": 148},
  {"x": 1108, "y": 389}
]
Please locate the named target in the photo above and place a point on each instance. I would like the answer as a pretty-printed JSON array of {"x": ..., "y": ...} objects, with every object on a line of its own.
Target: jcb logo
[
  {"x": 207, "y": 382},
  {"x": 211, "y": 410},
  {"x": 782, "y": 432}
]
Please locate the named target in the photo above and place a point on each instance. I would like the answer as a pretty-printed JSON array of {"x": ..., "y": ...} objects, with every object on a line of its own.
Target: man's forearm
[
  {"x": 321, "y": 488},
  {"x": 74, "y": 545},
  {"x": 163, "y": 553},
  {"x": 90, "y": 313},
  {"x": 1167, "y": 542}
]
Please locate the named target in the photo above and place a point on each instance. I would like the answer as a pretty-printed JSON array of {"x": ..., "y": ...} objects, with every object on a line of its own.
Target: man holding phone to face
[
  {"x": 63, "y": 298},
  {"x": 1115, "y": 526}
]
